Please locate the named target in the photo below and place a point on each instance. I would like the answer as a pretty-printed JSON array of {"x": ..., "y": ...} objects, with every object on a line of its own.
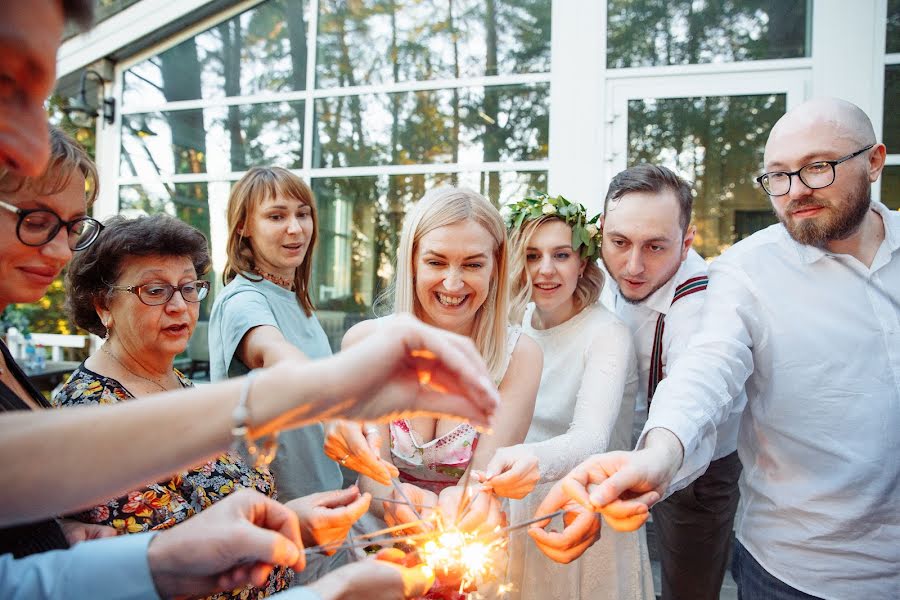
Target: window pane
[
  {"x": 891, "y": 135},
  {"x": 359, "y": 227},
  {"x": 890, "y": 187},
  {"x": 370, "y": 41},
  {"x": 213, "y": 140},
  {"x": 717, "y": 143},
  {"x": 262, "y": 49},
  {"x": 643, "y": 33},
  {"x": 504, "y": 123},
  {"x": 893, "y": 26}
]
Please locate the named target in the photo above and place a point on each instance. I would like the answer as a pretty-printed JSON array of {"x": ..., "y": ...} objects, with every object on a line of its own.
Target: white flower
[
  {"x": 592, "y": 230},
  {"x": 549, "y": 209}
]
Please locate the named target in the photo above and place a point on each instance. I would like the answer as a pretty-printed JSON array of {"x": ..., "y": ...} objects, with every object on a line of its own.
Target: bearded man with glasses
[{"x": 804, "y": 315}]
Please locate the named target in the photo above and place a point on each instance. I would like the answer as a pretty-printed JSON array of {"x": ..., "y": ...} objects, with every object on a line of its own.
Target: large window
[
  {"x": 373, "y": 102},
  {"x": 645, "y": 33}
]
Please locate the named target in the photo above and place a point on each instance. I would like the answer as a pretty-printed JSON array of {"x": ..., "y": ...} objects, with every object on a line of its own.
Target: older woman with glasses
[{"x": 139, "y": 287}]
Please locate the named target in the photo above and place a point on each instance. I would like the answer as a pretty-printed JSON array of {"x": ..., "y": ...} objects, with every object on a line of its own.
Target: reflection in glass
[
  {"x": 893, "y": 27},
  {"x": 503, "y": 123},
  {"x": 891, "y": 135},
  {"x": 371, "y": 41},
  {"x": 262, "y": 49},
  {"x": 890, "y": 187},
  {"x": 643, "y": 33},
  {"x": 213, "y": 140},
  {"x": 717, "y": 143},
  {"x": 360, "y": 219}
]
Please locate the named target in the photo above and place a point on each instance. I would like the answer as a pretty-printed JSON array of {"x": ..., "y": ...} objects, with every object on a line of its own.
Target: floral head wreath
[{"x": 585, "y": 232}]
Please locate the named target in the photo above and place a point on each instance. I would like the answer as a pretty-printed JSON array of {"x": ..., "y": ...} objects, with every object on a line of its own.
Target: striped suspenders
[{"x": 691, "y": 286}]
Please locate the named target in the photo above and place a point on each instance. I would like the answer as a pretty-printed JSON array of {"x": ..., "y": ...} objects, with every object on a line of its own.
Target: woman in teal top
[{"x": 265, "y": 315}]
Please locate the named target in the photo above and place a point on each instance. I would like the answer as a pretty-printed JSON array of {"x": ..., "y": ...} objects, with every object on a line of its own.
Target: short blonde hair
[
  {"x": 257, "y": 185},
  {"x": 587, "y": 291},
  {"x": 67, "y": 157},
  {"x": 447, "y": 206}
]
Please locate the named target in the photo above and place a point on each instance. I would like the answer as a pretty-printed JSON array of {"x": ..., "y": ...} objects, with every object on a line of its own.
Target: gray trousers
[{"x": 693, "y": 528}]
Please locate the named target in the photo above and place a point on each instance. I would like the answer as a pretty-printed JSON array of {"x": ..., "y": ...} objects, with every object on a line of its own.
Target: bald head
[{"x": 834, "y": 123}]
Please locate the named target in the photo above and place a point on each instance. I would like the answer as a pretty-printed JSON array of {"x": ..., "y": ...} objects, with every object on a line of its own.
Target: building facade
[{"x": 375, "y": 101}]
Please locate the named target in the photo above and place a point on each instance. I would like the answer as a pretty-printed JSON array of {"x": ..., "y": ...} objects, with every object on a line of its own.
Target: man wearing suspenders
[{"x": 657, "y": 286}]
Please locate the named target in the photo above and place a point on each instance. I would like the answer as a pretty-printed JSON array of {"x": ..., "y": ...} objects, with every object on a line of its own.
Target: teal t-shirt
[{"x": 300, "y": 467}]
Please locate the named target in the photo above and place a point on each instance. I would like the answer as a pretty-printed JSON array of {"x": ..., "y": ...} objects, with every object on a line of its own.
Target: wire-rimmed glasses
[
  {"x": 816, "y": 175},
  {"x": 37, "y": 226},
  {"x": 155, "y": 294}
]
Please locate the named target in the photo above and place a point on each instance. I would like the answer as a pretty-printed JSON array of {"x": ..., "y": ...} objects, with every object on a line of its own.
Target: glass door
[{"x": 710, "y": 129}]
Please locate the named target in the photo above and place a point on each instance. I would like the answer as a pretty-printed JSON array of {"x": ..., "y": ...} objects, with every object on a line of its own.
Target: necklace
[
  {"x": 276, "y": 279},
  {"x": 121, "y": 364}
]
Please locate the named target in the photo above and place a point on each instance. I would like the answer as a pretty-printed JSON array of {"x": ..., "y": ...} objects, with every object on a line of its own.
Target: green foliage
[{"x": 586, "y": 234}]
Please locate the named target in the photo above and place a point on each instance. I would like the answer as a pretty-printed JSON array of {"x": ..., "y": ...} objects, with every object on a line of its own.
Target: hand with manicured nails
[
  {"x": 512, "y": 472},
  {"x": 233, "y": 543},
  {"x": 356, "y": 446},
  {"x": 326, "y": 517}
]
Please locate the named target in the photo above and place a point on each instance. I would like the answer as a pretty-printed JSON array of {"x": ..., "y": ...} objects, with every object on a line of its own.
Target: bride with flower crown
[{"x": 585, "y": 405}]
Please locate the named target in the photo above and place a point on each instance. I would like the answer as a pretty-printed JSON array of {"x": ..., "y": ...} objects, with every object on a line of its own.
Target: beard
[{"x": 838, "y": 222}]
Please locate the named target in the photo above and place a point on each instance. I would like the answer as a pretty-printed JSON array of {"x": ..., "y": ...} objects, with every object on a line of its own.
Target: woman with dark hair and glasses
[
  {"x": 139, "y": 287},
  {"x": 35, "y": 210}
]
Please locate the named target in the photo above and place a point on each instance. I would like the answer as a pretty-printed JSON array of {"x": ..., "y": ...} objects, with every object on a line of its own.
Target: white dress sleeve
[{"x": 609, "y": 365}]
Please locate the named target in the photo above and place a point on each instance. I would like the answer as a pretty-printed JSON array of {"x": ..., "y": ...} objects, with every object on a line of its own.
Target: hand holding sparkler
[
  {"x": 512, "y": 472},
  {"x": 385, "y": 577},
  {"x": 581, "y": 530},
  {"x": 471, "y": 508},
  {"x": 356, "y": 446},
  {"x": 409, "y": 504},
  {"x": 326, "y": 518}
]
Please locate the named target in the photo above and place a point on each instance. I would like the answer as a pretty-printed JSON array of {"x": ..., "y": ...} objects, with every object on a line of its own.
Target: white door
[{"x": 709, "y": 128}]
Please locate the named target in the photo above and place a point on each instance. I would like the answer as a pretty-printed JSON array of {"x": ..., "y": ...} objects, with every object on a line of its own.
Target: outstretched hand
[
  {"x": 326, "y": 517},
  {"x": 512, "y": 472},
  {"x": 356, "y": 446},
  {"x": 407, "y": 368},
  {"x": 233, "y": 543},
  {"x": 581, "y": 530}
]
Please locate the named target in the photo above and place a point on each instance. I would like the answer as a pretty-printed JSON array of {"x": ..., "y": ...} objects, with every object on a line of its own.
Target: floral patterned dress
[{"x": 162, "y": 505}]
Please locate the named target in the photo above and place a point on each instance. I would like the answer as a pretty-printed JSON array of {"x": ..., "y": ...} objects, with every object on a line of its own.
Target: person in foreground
[
  {"x": 804, "y": 313},
  {"x": 658, "y": 285},
  {"x": 235, "y": 544},
  {"x": 585, "y": 404}
]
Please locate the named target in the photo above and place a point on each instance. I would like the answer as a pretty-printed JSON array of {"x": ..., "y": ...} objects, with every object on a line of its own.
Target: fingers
[
  {"x": 275, "y": 530},
  {"x": 517, "y": 480},
  {"x": 555, "y": 499},
  {"x": 417, "y": 580},
  {"x": 632, "y": 523},
  {"x": 258, "y": 545},
  {"x": 549, "y": 543},
  {"x": 614, "y": 486},
  {"x": 348, "y": 444}
]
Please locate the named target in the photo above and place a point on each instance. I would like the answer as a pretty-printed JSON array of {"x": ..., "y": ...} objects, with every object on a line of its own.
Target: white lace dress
[{"x": 585, "y": 405}]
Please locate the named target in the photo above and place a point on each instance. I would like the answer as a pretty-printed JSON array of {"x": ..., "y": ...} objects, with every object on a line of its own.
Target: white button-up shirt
[
  {"x": 681, "y": 321},
  {"x": 816, "y": 339}
]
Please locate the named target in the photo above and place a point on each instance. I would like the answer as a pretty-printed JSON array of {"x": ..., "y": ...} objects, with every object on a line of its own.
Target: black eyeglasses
[
  {"x": 155, "y": 294},
  {"x": 37, "y": 226},
  {"x": 815, "y": 175}
]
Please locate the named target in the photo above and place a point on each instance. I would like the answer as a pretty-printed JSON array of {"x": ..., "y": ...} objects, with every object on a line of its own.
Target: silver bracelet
[{"x": 242, "y": 444}]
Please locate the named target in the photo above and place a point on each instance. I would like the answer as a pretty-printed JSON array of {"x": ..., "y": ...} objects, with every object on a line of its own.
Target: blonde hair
[
  {"x": 67, "y": 157},
  {"x": 257, "y": 185},
  {"x": 447, "y": 206},
  {"x": 587, "y": 291}
]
